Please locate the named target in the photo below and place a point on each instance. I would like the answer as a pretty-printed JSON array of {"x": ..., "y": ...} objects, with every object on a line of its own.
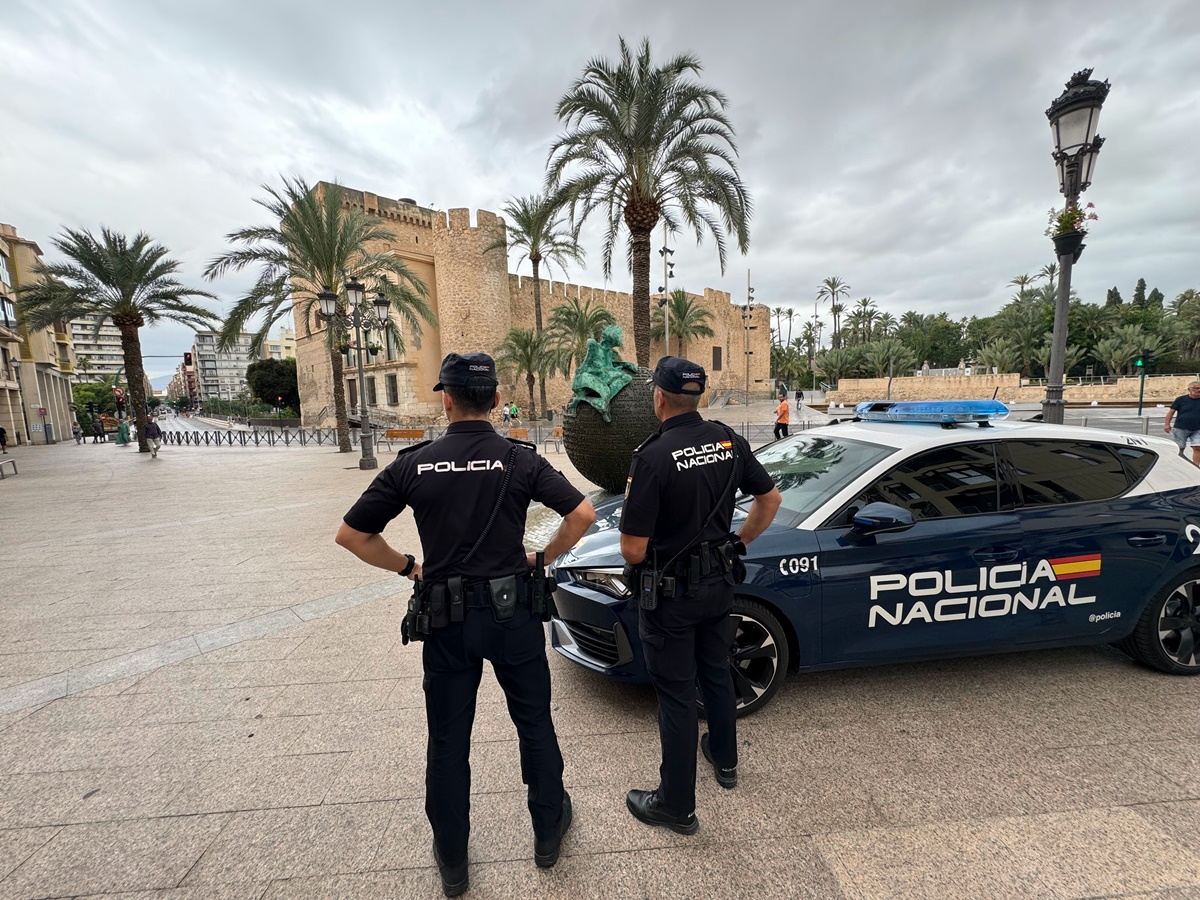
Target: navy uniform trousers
[
  {"x": 687, "y": 640},
  {"x": 453, "y": 661}
]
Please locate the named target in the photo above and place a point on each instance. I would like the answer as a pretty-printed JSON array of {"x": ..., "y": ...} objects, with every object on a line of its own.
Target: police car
[{"x": 925, "y": 530}]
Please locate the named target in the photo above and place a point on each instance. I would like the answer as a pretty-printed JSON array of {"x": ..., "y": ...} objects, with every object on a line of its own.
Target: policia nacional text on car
[
  {"x": 675, "y": 534},
  {"x": 479, "y": 596}
]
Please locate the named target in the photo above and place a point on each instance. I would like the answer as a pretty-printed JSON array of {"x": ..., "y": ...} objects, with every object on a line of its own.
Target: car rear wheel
[
  {"x": 758, "y": 657},
  {"x": 1167, "y": 636}
]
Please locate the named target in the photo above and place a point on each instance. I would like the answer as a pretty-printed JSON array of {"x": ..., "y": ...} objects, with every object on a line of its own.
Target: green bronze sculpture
[{"x": 601, "y": 376}]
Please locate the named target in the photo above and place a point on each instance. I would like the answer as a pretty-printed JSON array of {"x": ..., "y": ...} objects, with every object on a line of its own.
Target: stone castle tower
[{"x": 476, "y": 302}]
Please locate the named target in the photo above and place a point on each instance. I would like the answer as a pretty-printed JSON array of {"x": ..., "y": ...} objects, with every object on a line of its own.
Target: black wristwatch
[{"x": 412, "y": 564}]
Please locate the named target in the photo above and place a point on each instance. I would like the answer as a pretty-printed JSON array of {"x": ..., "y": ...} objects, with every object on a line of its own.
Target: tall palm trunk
[
  {"x": 537, "y": 322},
  {"x": 131, "y": 347},
  {"x": 640, "y": 243},
  {"x": 529, "y": 382},
  {"x": 339, "y": 400}
]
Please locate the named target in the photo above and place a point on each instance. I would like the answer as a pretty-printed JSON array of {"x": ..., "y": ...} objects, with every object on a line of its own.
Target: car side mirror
[{"x": 880, "y": 518}]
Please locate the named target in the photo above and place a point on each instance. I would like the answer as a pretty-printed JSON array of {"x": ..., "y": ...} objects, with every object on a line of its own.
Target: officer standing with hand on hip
[
  {"x": 675, "y": 534},
  {"x": 479, "y": 596}
]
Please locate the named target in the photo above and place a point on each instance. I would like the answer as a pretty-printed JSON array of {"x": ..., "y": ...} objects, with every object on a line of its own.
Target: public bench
[
  {"x": 555, "y": 437},
  {"x": 401, "y": 434},
  {"x": 519, "y": 434},
  {"x": 7, "y": 462}
]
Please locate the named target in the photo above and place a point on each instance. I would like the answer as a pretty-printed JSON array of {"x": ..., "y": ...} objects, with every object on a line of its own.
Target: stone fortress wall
[
  {"x": 1006, "y": 388},
  {"x": 476, "y": 301}
]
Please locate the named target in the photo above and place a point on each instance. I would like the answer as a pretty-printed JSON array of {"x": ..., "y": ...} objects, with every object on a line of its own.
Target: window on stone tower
[
  {"x": 716, "y": 366},
  {"x": 393, "y": 393}
]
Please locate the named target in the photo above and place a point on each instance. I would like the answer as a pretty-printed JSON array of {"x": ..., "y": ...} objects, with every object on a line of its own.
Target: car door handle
[
  {"x": 995, "y": 554},
  {"x": 1147, "y": 540}
]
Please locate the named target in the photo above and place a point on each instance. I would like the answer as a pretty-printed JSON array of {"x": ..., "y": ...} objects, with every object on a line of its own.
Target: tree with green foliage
[
  {"x": 689, "y": 320},
  {"x": 573, "y": 324},
  {"x": 313, "y": 244},
  {"x": 100, "y": 394},
  {"x": 1113, "y": 297},
  {"x": 888, "y": 358},
  {"x": 645, "y": 142},
  {"x": 270, "y": 379},
  {"x": 536, "y": 228},
  {"x": 529, "y": 353},
  {"x": 840, "y": 362},
  {"x": 1139, "y": 293},
  {"x": 1000, "y": 354},
  {"x": 832, "y": 290},
  {"x": 1155, "y": 299},
  {"x": 131, "y": 281}
]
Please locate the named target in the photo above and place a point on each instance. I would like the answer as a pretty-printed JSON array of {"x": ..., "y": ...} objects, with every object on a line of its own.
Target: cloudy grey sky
[{"x": 899, "y": 144}]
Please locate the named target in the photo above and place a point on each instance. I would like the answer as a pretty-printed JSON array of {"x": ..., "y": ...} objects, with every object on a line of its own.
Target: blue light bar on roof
[{"x": 936, "y": 411}]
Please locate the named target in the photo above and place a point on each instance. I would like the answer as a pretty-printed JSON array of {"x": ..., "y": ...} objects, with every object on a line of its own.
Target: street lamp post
[
  {"x": 1074, "y": 117},
  {"x": 355, "y": 297},
  {"x": 668, "y": 273}
]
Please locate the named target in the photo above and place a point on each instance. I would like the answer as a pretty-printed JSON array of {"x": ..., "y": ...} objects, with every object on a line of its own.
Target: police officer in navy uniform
[
  {"x": 467, "y": 578},
  {"x": 676, "y": 522}
]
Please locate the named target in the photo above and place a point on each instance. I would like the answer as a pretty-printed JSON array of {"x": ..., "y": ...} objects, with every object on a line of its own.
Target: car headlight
[{"x": 608, "y": 581}]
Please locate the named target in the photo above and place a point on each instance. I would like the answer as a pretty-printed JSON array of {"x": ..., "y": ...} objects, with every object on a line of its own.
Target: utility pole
[
  {"x": 666, "y": 253},
  {"x": 746, "y": 315}
]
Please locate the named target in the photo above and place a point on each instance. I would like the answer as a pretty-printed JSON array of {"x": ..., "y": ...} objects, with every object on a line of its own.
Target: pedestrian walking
[
  {"x": 77, "y": 432},
  {"x": 515, "y": 413},
  {"x": 4, "y": 440},
  {"x": 153, "y": 437},
  {"x": 98, "y": 431},
  {"x": 123, "y": 433},
  {"x": 478, "y": 596},
  {"x": 799, "y": 398},
  {"x": 507, "y": 415},
  {"x": 782, "y": 417},
  {"x": 1185, "y": 413},
  {"x": 675, "y": 536}
]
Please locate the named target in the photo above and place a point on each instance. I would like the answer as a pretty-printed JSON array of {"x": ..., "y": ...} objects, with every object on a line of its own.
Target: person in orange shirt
[{"x": 782, "y": 417}]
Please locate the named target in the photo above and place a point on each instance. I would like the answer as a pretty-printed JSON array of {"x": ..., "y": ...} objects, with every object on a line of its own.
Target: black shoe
[
  {"x": 455, "y": 879},
  {"x": 545, "y": 853},
  {"x": 726, "y": 778},
  {"x": 644, "y": 806}
]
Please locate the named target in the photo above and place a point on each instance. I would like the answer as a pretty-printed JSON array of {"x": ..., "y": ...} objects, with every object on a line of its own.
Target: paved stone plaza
[{"x": 202, "y": 696}]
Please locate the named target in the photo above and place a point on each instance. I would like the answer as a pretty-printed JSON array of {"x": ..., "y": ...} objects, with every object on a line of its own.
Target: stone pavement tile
[
  {"x": 44, "y": 798},
  {"x": 1110, "y": 775},
  {"x": 61, "y": 751},
  {"x": 110, "y": 688},
  {"x": 340, "y": 645},
  {"x": 36, "y": 665},
  {"x": 272, "y": 782},
  {"x": 389, "y": 664},
  {"x": 603, "y": 824},
  {"x": 789, "y": 867},
  {"x": 1177, "y": 760},
  {"x": 586, "y": 877},
  {"x": 139, "y": 854},
  {"x": 87, "y": 713},
  {"x": 335, "y": 697},
  {"x": 495, "y": 766},
  {"x": 18, "y": 844},
  {"x": 379, "y": 775},
  {"x": 409, "y": 695},
  {"x": 1098, "y": 852},
  {"x": 294, "y": 843},
  {"x": 218, "y": 704},
  {"x": 500, "y": 830},
  {"x": 235, "y": 891},
  {"x": 399, "y": 731},
  {"x": 1177, "y": 819},
  {"x": 761, "y": 808},
  {"x": 190, "y": 675},
  {"x": 233, "y": 739},
  {"x": 932, "y": 862},
  {"x": 316, "y": 670},
  {"x": 631, "y": 759},
  {"x": 403, "y": 883}
]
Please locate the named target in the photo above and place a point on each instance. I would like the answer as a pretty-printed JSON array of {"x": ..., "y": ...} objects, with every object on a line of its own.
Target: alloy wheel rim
[
  {"x": 1178, "y": 628},
  {"x": 753, "y": 659}
]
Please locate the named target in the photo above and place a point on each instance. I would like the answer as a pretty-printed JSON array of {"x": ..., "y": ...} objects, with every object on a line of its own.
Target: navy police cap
[
  {"x": 467, "y": 370},
  {"x": 676, "y": 375}
]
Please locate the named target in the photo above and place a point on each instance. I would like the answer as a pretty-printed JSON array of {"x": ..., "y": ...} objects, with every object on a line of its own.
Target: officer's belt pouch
[
  {"x": 502, "y": 592},
  {"x": 437, "y": 605},
  {"x": 454, "y": 587}
]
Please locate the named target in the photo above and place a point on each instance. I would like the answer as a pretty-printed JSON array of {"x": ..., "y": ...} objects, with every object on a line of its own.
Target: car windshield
[{"x": 808, "y": 469}]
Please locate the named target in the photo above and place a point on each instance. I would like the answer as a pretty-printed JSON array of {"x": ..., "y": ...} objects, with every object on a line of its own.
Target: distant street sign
[{"x": 41, "y": 410}]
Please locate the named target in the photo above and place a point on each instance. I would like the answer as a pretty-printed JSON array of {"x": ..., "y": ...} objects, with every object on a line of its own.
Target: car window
[
  {"x": 1137, "y": 462},
  {"x": 959, "y": 480},
  {"x": 1053, "y": 472},
  {"x": 809, "y": 469}
]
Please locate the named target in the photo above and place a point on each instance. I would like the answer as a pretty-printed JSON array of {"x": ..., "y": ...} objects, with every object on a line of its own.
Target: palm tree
[
  {"x": 1113, "y": 354},
  {"x": 84, "y": 365},
  {"x": 1000, "y": 354},
  {"x": 1074, "y": 355},
  {"x": 833, "y": 289},
  {"x": 808, "y": 340},
  {"x": 853, "y": 329},
  {"x": 1050, "y": 273},
  {"x": 1022, "y": 283},
  {"x": 688, "y": 320},
  {"x": 885, "y": 326},
  {"x": 536, "y": 228},
  {"x": 131, "y": 282},
  {"x": 645, "y": 142},
  {"x": 314, "y": 245},
  {"x": 572, "y": 324},
  {"x": 888, "y": 358},
  {"x": 778, "y": 313},
  {"x": 839, "y": 363},
  {"x": 791, "y": 315},
  {"x": 530, "y": 353}
]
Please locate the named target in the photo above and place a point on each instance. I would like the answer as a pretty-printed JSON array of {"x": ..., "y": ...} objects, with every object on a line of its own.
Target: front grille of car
[{"x": 598, "y": 643}]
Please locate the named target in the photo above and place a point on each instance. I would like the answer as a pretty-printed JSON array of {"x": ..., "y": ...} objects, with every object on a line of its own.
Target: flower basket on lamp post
[{"x": 1069, "y": 243}]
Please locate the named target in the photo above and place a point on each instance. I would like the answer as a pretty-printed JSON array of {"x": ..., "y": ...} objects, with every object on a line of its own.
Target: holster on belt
[
  {"x": 541, "y": 604},
  {"x": 416, "y": 625},
  {"x": 503, "y": 594}
]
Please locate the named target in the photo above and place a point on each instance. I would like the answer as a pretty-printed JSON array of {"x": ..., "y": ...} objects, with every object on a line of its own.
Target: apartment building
[
  {"x": 282, "y": 347},
  {"x": 97, "y": 351},
  {"x": 220, "y": 373}
]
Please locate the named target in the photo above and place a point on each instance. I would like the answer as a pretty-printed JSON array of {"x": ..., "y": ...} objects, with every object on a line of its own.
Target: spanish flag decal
[
  {"x": 728, "y": 445},
  {"x": 1068, "y": 567}
]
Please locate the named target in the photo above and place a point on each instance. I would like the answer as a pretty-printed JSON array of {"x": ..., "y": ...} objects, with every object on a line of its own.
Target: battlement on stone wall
[
  {"x": 458, "y": 220},
  {"x": 385, "y": 207}
]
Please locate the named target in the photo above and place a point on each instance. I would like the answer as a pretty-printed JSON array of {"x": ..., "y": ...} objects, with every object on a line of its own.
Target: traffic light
[
  {"x": 1148, "y": 358},
  {"x": 187, "y": 359},
  {"x": 1140, "y": 362},
  {"x": 91, "y": 408}
]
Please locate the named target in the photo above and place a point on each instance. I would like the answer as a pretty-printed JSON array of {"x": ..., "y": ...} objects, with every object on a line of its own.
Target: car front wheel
[
  {"x": 758, "y": 656},
  {"x": 1167, "y": 636}
]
